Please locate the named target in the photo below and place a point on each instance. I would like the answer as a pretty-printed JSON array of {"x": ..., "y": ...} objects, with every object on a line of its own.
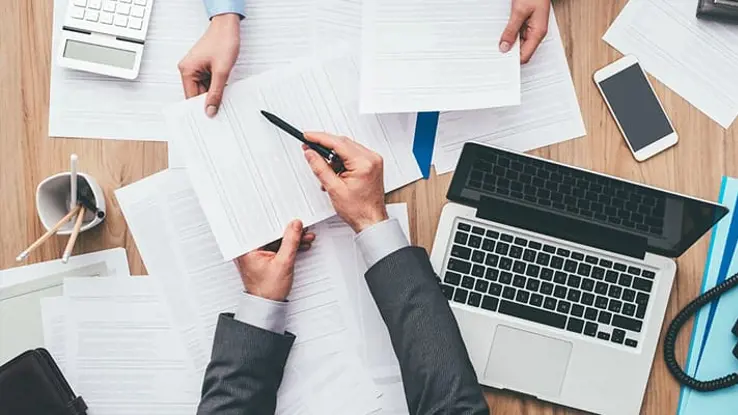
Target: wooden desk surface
[{"x": 705, "y": 152}]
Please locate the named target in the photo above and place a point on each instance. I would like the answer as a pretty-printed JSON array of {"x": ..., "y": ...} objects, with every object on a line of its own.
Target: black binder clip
[{"x": 735, "y": 332}]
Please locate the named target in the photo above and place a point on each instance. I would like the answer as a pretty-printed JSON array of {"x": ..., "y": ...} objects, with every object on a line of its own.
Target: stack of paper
[
  {"x": 549, "y": 112},
  {"x": 697, "y": 59},
  {"x": 122, "y": 353},
  {"x": 252, "y": 178},
  {"x": 326, "y": 372},
  {"x": 22, "y": 288}
]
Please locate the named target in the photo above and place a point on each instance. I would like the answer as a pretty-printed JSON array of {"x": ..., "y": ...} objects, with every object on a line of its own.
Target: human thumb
[{"x": 290, "y": 242}]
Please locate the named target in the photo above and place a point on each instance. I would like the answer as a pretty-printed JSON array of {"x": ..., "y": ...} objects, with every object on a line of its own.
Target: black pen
[{"x": 329, "y": 155}]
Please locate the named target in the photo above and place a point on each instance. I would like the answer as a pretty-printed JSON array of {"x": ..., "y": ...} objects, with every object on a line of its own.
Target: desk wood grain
[{"x": 705, "y": 153}]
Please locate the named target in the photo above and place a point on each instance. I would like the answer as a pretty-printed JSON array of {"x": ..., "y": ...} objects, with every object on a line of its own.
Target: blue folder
[
  {"x": 710, "y": 349},
  {"x": 424, "y": 140}
]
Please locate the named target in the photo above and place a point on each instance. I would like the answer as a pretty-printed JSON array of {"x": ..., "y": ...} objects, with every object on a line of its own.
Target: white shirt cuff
[
  {"x": 380, "y": 240},
  {"x": 262, "y": 313}
]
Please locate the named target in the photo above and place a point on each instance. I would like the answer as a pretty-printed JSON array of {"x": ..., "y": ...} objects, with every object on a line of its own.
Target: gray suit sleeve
[
  {"x": 245, "y": 369},
  {"x": 436, "y": 370}
]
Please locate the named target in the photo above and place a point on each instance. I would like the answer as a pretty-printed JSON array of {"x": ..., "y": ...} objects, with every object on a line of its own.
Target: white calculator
[{"x": 105, "y": 36}]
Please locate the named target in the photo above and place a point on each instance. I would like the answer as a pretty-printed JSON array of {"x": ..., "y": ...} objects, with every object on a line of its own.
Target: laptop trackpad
[{"x": 527, "y": 362}]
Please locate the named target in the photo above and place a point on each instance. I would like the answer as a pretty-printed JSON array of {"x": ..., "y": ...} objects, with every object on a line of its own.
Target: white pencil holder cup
[{"x": 53, "y": 198}]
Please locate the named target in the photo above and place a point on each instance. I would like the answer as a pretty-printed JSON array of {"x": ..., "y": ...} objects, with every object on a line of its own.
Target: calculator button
[
  {"x": 125, "y": 1},
  {"x": 121, "y": 20},
  {"x": 95, "y": 4},
  {"x": 106, "y": 18},
  {"x": 92, "y": 15},
  {"x": 109, "y": 6},
  {"x": 137, "y": 11},
  {"x": 140, "y": 2},
  {"x": 81, "y": 3},
  {"x": 135, "y": 23},
  {"x": 78, "y": 12},
  {"x": 123, "y": 9}
]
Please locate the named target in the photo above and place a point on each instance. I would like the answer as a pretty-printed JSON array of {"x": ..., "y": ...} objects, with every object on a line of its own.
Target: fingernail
[
  {"x": 211, "y": 110},
  {"x": 504, "y": 47},
  {"x": 297, "y": 225}
]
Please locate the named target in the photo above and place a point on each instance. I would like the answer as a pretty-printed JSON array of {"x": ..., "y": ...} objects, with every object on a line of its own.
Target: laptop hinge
[{"x": 562, "y": 227}]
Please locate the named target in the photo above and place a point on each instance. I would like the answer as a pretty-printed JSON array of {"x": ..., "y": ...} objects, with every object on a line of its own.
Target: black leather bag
[
  {"x": 722, "y": 10},
  {"x": 32, "y": 384}
]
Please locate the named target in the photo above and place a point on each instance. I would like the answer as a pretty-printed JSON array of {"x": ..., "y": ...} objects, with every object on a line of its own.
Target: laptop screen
[{"x": 670, "y": 222}]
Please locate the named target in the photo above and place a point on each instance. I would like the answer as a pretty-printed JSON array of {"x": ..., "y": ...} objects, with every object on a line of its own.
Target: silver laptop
[{"x": 559, "y": 277}]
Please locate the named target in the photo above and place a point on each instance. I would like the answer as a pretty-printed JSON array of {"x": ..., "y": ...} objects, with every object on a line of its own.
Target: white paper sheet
[
  {"x": 108, "y": 262},
  {"x": 166, "y": 221},
  {"x": 22, "y": 288},
  {"x": 549, "y": 112},
  {"x": 87, "y": 105},
  {"x": 444, "y": 55},
  {"x": 369, "y": 331},
  {"x": 697, "y": 59},
  {"x": 174, "y": 158},
  {"x": 122, "y": 353},
  {"x": 250, "y": 177},
  {"x": 177, "y": 246},
  {"x": 54, "y": 325},
  {"x": 337, "y": 23}
]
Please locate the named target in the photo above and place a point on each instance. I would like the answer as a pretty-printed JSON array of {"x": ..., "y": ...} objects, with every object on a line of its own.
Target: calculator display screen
[{"x": 103, "y": 55}]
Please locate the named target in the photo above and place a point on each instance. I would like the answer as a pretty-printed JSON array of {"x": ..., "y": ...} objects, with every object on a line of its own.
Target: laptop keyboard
[
  {"x": 576, "y": 192},
  {"x": 533, "y": 280}
]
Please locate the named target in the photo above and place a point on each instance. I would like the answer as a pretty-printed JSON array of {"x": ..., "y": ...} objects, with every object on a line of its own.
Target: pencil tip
[{"x": 264, "y": 113}]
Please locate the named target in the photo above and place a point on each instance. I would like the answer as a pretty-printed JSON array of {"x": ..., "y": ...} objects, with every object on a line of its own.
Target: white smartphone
[{"x": 636, "y": 108}]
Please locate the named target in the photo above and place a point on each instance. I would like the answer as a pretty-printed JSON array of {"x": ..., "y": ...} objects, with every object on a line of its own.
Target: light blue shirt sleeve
[
  {"x": 216, "y": 7},
  {"x": 374, "y": 242}
]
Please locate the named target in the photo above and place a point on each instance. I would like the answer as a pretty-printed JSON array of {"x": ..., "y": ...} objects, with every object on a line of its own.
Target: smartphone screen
[{"x": 636, "y": 107}]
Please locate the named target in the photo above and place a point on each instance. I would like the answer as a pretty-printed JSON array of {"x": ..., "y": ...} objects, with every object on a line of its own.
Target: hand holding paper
[
  {"x": 251, "y": 177},
  {"x": 207, "y": 65},
  {"x": 529, "y": 21},
  {"x": 269, "y": 274}
]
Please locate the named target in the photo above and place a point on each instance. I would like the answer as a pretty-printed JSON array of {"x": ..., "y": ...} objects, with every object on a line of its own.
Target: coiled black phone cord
[{"x": 671, "y": 337}]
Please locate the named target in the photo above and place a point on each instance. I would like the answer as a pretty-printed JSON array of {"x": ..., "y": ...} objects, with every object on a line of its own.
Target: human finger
[
  {"x": 534, "y": 34},
  {"x": 344, "y": 147},
  {"x": 215, "y": 92},
  {"x": 290, "y": 242},
  {"x": 189, "y": 83},
  {"x": 512, "y": 31},
  {"x": 322, "y": 170}
]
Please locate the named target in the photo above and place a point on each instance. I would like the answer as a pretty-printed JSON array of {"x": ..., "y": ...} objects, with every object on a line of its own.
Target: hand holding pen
[
  {"x": 351, "y": 174},
  {"x": 357, "y": 193},
  {"x": 329, "y": 155}
]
